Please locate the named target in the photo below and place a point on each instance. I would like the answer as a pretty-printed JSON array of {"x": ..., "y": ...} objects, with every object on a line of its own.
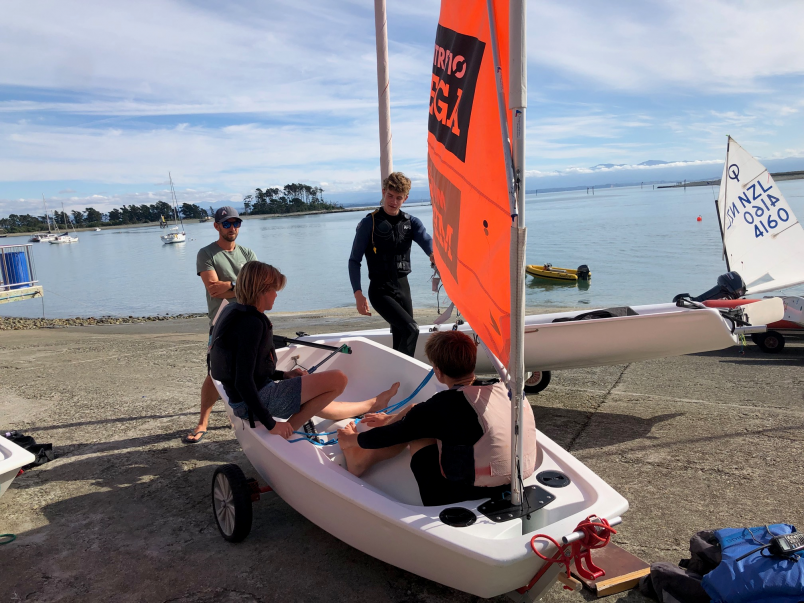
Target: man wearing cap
[{"x": 218, "y": 265}]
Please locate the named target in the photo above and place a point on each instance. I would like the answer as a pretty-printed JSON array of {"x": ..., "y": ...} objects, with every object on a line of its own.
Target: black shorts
[{"x": 437, "y": 490}]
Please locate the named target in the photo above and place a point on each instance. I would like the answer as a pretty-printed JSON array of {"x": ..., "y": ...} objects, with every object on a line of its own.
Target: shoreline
[
  {"x": 198, "y": 221},
  {"x": 778, "y": 176}
]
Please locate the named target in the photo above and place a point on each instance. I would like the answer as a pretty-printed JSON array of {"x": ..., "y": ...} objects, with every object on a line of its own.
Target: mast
[
  {"x": 176, "y": 214},
  {"x": 514, "y": 155},
  {"x": 517, "y": 103},
  {"x": 383, "y": 83},
  {"x": 47, "y": 218},
  {"x": 725, "y": 186}
]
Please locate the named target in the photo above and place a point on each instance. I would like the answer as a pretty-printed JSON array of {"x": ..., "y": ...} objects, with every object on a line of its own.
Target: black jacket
[{"x": 242, "y": 357}]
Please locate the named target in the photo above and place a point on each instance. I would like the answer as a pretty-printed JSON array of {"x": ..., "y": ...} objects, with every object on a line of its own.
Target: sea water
[{"x": 642, "y": 245}]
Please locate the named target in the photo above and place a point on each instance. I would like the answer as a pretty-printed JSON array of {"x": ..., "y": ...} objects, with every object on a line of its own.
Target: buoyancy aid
[
  {"x": 492, "y": 452},
  {"x": 388, "y": 253},
  {"x": 757, "y": 578}
]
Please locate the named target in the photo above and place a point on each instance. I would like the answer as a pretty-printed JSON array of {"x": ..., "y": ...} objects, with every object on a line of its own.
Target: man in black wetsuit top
[{"x": 385, "y": 236}]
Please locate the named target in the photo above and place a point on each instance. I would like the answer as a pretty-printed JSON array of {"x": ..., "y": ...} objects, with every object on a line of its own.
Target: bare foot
[
  {"x": 383, "y": 399},
  {"x": 357, "y": 460}
]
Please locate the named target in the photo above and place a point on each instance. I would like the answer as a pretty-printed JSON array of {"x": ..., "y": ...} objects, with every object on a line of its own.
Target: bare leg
[
  {"x": 209, "y": 395},
  {"x": 359, "y": 460},
  {"x": 343, "y": 410}
]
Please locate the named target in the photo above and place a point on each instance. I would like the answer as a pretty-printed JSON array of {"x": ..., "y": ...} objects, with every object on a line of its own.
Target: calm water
[{"x": 643, "y": 246}]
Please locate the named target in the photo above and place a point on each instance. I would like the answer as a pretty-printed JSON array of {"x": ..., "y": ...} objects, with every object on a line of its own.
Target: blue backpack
[{"x": 758, "y": 578}]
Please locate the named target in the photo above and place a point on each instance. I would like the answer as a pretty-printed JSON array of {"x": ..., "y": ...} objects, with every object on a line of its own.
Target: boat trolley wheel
[
  {"x": 231, "y": 502},
  {"x": 537, "y": 382},
  {"x": 770, "y": 342}
]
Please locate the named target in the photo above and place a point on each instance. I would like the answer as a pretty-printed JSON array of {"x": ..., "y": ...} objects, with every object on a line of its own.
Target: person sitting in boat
[
  {"x": 460, "y": 439},
  {"x": 243, "y": 358}
]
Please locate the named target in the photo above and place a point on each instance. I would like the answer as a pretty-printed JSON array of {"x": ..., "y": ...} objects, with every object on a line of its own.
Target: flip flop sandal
[{"x": 199, "y": 436}]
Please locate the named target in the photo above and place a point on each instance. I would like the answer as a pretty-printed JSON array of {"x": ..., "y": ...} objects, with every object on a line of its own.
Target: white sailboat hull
[
  {"x": 659, "y": 330},
  {"x": 381, "y": 513},
  {"x": 62, "y": 239},
  {"x": 12, "y": 459},
  {"x": 172, "y": 238}
]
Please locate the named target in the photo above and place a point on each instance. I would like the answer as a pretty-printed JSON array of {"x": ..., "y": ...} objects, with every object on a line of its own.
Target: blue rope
[
  {"x": 311, "y": 437},
  {"x": 397, "y": 406}
]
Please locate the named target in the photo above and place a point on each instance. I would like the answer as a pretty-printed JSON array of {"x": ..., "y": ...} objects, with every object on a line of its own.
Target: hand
[
  {"x": 347, "y": 437},
  {"x": 218, "y": 288},
  {"x": 377, "y": 419},
  {"x": 432, "y": 261},
  {"x": 362, "y": 304},
  {"x": 282, "y": 429},
  {"x": 296, "y": 372}
]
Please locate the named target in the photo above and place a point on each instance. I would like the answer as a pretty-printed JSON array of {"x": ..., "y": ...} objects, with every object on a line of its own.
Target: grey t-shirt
[{"x": 226, "y": 264}]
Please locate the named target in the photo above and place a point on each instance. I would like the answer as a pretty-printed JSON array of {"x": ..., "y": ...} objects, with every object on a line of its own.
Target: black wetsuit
[
  {"x": 386, "y": 241},
  {"x": 447, "y": 417}
]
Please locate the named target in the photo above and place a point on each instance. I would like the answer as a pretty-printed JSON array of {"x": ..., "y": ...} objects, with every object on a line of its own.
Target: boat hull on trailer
[
  {"x": 381, "y": 513},
  {"x": 657, "y": 331},
  {"x": 12, "y": 459}
]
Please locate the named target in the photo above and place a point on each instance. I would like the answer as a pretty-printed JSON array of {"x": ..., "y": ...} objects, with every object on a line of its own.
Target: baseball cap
[{"x": 227, "y": 212}]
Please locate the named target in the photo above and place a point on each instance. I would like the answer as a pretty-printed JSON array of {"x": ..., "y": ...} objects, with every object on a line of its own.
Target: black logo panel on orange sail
[{"x": 456, "y": 64}]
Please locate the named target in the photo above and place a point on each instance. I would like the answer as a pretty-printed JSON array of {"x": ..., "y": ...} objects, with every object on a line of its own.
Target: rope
[
  {"x": 7, "y": 538},
  {"x": 391, "y": 409}
]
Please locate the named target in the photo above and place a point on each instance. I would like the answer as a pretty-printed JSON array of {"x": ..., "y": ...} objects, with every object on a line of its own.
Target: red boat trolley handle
[{"x": 596, "y": 533}]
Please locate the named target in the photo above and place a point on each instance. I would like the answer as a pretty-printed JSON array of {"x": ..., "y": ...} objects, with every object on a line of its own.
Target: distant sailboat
[
  {"x": 762, "y": 239},
  {"x": 64, "y": 237},
  {"x": 43, "y": 237},
  {"x": 174, "y": 235}
]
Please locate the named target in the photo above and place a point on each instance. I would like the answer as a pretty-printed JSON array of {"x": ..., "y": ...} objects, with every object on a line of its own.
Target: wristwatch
[{"x": 233, "y": 286}]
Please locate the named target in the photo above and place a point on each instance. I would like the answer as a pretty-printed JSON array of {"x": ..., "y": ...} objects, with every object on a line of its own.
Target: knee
[
  {"x": 412, "y": 329},
  {"x": 339, "y": 381}
]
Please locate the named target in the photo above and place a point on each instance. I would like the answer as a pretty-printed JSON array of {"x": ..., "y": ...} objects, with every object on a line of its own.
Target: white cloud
[{"x": 663, "y": 46}]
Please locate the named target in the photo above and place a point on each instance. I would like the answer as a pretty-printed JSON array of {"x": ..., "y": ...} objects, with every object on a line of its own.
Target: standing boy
[{"x": 385, "y": 236}]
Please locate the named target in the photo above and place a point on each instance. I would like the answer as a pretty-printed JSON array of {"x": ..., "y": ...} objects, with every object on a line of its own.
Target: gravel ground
[{"x": 123, "y": 513}]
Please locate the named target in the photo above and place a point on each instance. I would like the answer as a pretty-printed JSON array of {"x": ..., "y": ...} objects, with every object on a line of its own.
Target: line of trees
[
  {"x": 290, "y": 199},
  {"x": 92, "y": 218}
]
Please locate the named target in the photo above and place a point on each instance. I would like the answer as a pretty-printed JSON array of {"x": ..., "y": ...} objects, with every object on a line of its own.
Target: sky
[{"x": 100, "y": 100}]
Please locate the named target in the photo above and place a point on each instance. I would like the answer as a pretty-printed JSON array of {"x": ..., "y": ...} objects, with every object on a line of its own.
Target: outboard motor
[
  {"x": 583, "y": 272},
  {"x": 729, "y": 286}
]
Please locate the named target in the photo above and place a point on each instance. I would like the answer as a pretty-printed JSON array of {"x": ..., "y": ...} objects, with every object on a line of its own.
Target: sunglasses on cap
[{"x": 230, "y": 223}]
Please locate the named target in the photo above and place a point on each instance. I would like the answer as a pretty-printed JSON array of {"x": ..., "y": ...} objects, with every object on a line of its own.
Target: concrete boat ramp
[{"x": 124, "y": 513}]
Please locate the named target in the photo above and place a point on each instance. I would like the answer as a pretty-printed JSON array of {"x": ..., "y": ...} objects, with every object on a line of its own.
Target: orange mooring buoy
[{"x": 700, "y": 219}]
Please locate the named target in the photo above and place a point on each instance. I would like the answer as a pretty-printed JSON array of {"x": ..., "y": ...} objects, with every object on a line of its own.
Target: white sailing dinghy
[
  {"x": 484, "y": 547},
  {"x": 763, "y": 240},
  {"x": 174, "y": 235}
]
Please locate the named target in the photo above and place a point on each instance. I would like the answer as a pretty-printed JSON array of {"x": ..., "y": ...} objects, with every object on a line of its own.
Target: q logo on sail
[{"x": 456, "y": 64}]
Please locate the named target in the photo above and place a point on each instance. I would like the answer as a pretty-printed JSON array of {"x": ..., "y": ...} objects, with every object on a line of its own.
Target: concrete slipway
[{"x": 123, "y": 514}]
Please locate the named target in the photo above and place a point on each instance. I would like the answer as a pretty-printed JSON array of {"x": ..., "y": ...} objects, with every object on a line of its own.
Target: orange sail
[{"x": 467, "y": 170}]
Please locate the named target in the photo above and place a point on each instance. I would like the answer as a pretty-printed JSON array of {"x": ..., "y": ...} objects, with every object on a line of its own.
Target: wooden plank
[
  {"x": 13, "y": 295},
  {"x": 623, "y": 571}
]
